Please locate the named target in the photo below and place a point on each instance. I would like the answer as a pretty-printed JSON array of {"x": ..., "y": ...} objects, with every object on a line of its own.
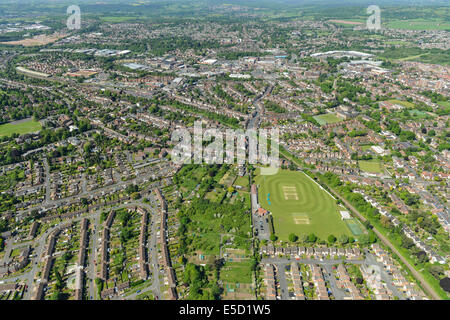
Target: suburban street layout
[{"x": 224, "y": 150}]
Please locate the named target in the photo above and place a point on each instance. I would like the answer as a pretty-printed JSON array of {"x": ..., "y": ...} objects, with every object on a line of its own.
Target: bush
[
  {"x": 331, "y": 239},
  {"x": 293, "y": 237}
]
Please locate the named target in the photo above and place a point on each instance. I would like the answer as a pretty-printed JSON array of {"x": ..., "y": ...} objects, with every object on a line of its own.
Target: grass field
[
  {"x": 372, "y": 166},
  {"x": 20, "y": 127},
  {"x": 434, "y": 56},
  {"x": 236, "y": 272},
  {"x": 298, "y": 205},
  {"x": 324, "y": 119},
  {"x": 419, "y": 24},
  {"x": 243, "y": 182},
  {"x": 366, "y": 147},
  {"x": 418, "y": 113},
  {"x": 402, "y": 103},
  {"x": 445, "y": 104},
  {"x": 355, "y": 227}
]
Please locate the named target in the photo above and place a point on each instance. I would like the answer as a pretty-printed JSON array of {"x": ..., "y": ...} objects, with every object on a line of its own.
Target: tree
[
  {"x": 273, "y": 237},
  {"x": 304, "y": 237},
  {"x": 343, "y": 239},
  {"x": 445, "y": 284},
  {"x": 254, "y": 264},
  {"x": 183, "y": 260},
  {"x": 99, "y": 284},
  {"x": 364, "y": 239},
  {"x": 59, "y": 282},
  {"x": 312, "y": 238},
  {"x": 67, "y": 256},
  {"x": 293, "y": 237},
  {"x": 135, "y": 195},
  {"x": 331, "y": 239},
  {"x": 406, "y": 242},
  {"x": 422, "y": 256},
  {"x": 385, "y": 222},
  {"x": 87, "y": 148},
  {"x": 436, "y": 271},
  {"x": 367, "y": 224},
  {"x": 372, "y": 237}
]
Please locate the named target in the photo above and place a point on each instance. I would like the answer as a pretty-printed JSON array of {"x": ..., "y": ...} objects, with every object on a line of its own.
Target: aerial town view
[{"x": 224, "y": 150}]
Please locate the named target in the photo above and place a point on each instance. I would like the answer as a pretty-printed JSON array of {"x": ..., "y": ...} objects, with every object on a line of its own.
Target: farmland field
[
  {"x": 299, "y": 205},
  {"x": 20, "y": 127}
]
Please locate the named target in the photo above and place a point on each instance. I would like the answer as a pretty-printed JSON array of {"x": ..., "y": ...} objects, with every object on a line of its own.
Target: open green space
[
  {"x": 406, "y": 104},
  {"x": 433, "y": 56},
  {"x": 355, "y": 227},
  {"x": 242, "y": 181},
  {"x": 445, "y": 104},
  {"x": 21, "y": 127},
  {"x": 328, "y": 118},
  {"x": 419, "y": 24},
  {"x": 372, "y": 166},
  {"x": 237, "y": 272},
  {"x": 299, "y": 205},
  {"x": 366, "y": 147},
  {"x": 418, "y": 113}
]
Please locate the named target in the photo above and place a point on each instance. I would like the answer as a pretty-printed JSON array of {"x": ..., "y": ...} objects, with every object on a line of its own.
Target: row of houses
[
  {"x": 311, "y": 252},
  {"x": 118, "y": 289},
  {"x": 395, "y": 222},
  {"x": 79, "y": 280},
  {"x": 269, "y": 279},
  {"x": 143, "y": 267},
  {"x": 164, "y": 247},
  {"x": 33, "y": 230},
  {"x": 297, "y": 280},
  {"x": 21, "y": 262},
  {"x": 10, "y": 287},
  {"x": 81, "y": 259},
  {"x": 48, "y": 262},
  {"x": 433, "y": 256},
  {"x": 346, "y": 283},
  {"x": 373, "y": 281},
  {"x": 103, "y": 274},
  {"x": 319, "y": 282},
  {"x": 398, "y": 279}
]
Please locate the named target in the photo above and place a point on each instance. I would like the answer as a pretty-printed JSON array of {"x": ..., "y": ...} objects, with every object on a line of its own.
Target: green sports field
[
  {"x": 327, "y": 118},
  {"x": 20, "y": 127},
  {"x": 372, "y": 166},
  {"x": 406, "y": 104},
  {"x": 299, "y": 205}
]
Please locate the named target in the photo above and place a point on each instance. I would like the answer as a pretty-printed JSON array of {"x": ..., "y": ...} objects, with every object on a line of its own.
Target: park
[
  {"x": 299, "y": 205},
  {"x": 20, "y": 127}
]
